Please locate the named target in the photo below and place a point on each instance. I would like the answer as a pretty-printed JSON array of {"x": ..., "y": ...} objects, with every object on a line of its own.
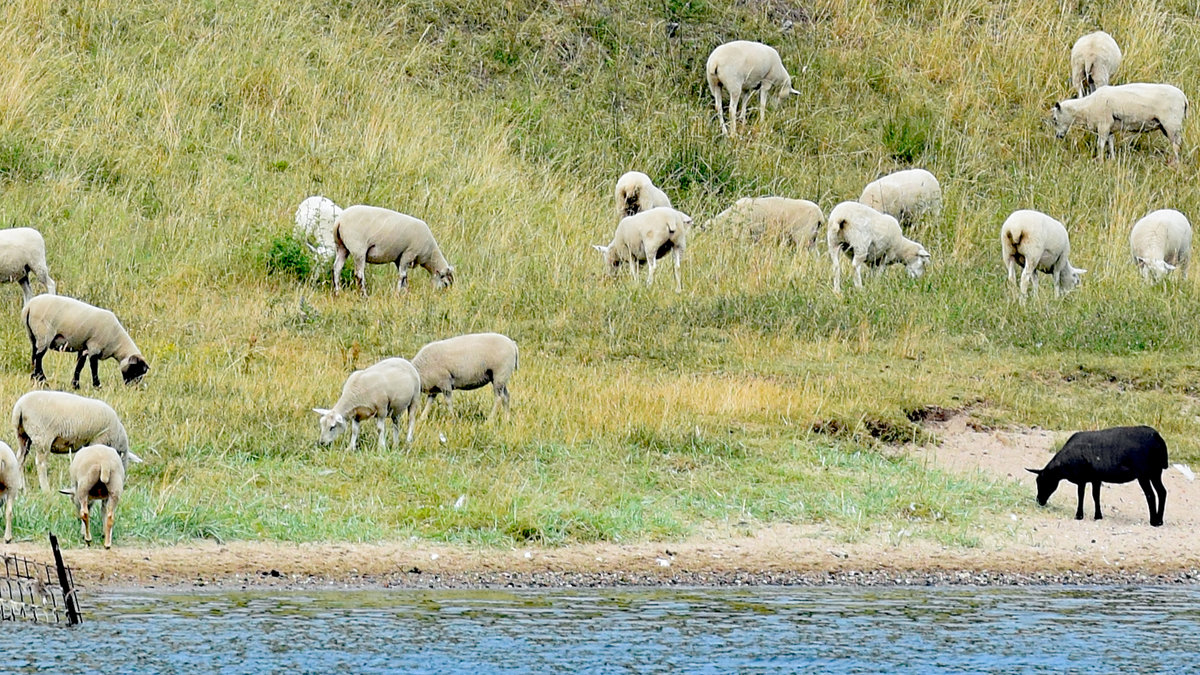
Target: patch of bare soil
[{"x": 1044, "y": 546}]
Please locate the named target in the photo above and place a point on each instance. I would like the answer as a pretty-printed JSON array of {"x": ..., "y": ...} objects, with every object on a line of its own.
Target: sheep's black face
[
  {"x": 134, "y": 370},
  {"x": 1045, "y": 487}
]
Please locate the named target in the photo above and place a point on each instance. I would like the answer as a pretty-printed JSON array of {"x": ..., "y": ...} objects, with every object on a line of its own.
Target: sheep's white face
[
  {"x": 1154, "y": 270},
  {"x": 332, "y": 425},
  {"x": 444, "y": 279},
  {"x": 917, "y": 267},
  {"x": 1073, "y": 278},
  {"x": 611, "y": 262},
  {"x": 1060, "y": 120}
]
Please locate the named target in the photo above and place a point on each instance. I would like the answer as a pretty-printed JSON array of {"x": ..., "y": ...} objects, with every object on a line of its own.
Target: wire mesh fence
[{"x": 38, "y": 592}]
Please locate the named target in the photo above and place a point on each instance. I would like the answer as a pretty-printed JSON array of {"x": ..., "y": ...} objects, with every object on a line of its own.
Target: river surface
[{"x": 757, "y": 630}]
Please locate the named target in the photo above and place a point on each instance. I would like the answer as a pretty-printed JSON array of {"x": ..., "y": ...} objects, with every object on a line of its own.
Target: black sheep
[{"x": 1116, "y": 455}]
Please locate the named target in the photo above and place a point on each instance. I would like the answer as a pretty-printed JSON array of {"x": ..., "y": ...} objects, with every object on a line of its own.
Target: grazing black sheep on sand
[{"x": 1116, "y": 455}]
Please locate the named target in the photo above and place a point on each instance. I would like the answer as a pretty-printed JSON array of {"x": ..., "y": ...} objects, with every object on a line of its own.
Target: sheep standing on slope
[
  {"x": 1095, "y": 57},
  {"x": 96, "y": 473},
  {"x": 314, "y": 223},
  {"x": 23, "y": 252},
  {"x": 739, "y": 68},
  {"x": 12, "y": 479},
  {"x": 369, "y": 234},
  {"x": 58, "y": 422},
  {"x": 646, "y": 237},
  {"x": 1036, "y": 242},
  {"x": 467, "y": 362},
  {"x": 1116, "y": 455},
  {"x": 635, "y": 193},
  {"x": 871, "y": 239},
  {"x": 908, "y": 196},
  {"x": 1160, "y": 242},
  {"x": 1137, "y": 108},
  {"x": 787, "y": 221},
  {"x": 384, "y": 390},
  {"x": 69, "y": 325}
]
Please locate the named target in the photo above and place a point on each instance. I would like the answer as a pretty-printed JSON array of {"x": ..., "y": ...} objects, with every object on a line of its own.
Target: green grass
[{"x": 162, "y": 149}]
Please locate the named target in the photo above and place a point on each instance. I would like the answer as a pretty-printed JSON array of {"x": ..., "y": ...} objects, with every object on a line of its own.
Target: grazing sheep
[
  {"x": 908, "y": 196},
  {"x": 1160, "y": 242},
  {"x": 370, "y": 234},
  {"x": 1095, "y": 57},
  {"x": 314, "y": 223},
  {"x": 871, "y": 239},
  {"x": 385, "y": 389},
  {"x": 1036, "y": 242},
  {"x": 69, "y": 325},
  {"x": 96, "y": 473},
  {"x": 635, "y": 193},
  {"x": 466, "y": 362},
  {"x": 643, "y": 238},
  {"x": 23, "y": 252},
  {"x": 1137, "y": 108},
  {"x": 1116, "y": 455},
  {"x": 788, "y": 221},
  {"x": 739, "y": 68},
  {"x": 12, "y": 479},
  {"x": 58, "y": 422}
]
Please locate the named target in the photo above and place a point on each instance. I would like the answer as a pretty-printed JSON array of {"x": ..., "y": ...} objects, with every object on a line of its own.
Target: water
[{"x": 759, "y": 630}]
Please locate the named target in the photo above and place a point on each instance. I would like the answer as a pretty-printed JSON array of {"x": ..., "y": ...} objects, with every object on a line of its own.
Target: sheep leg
[
  {"x": 1156, "y": 481},
  {"x": 381, "y": 426},
  {"x": 678, "y": 278},
  {"x": 1096, "y": 498},
  {"x": 1079, "y": 510},
  {"x": 716, "y": 92},
  {"x": 84, "y": 515},
  {"x": 353, "y": 434},
  {"x": 38, "y": 374},
  {"x": 412, "y": 419},
  {"x": 744, "y": 106},
  {"x": 1028, "y": 277},
  {"x": 360, "y": 273},
  {"x": 339, "y": 261},
  {"x": 8, "y": 509},
  {"x": 651, "y": 263},
  {"x": 428, "y": 405},
  {"x": 762, "y": 104},
  {"x": 835, "y": 259},
  {"x": 110, "y": 507},
  {"x": 79, "y": 361},
  {"x": 94, "y": 361},
  {"x": 39, "y": 458},
  {"x": 448, "y": 394},
  {"x": 633, "y": 265},
  {"x": 858, "y": 263},
  {"x": 1144, "y": 483},
  {"x": 735, "y": 94}
]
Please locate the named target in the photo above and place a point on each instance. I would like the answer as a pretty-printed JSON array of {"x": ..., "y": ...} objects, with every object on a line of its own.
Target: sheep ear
[
  {"x": 321, "y": 411},
  {"x": 1057, "y": 107},
  {"x": 794, "y": 92},
  {"x": 1036, "y": 472},
  {"x": 601, "y": 249},
  {"x": 1079, "y": 271},
  {"x": 133, "y": 458},
  {"x": 1169, "y": 266},
  {"x": 69, "y": 493}
]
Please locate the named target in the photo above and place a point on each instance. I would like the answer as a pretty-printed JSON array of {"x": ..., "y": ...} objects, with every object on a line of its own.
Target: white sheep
[
  {"x": 314, "y": 223},
  {"x": 1136, "y": 108},
  {"x": 635, "y": 192},
  {"x": 871, "y": 239},
  {"x": 370, "y": 234},
  {"x": 788, "y": 221},
  {"x": 12, "y": 480},
  {"x": 69, "y": 325},
  {"x": 739, "y": 68},
  {"x": 59, "y": 422},
  {"x": 467, "y": 362},
  {"x": 1160, "y": 242},
  {"x": 1036, "y": 242},
  {"x": 908, "y": 196},
  {"x": 381, "y": 391},
  {"x": 97, "y": 473},
  {"x": 1095, "y": 58},
  {"x": 644, "y": 238},
  {"x": 23, "y": 252}
]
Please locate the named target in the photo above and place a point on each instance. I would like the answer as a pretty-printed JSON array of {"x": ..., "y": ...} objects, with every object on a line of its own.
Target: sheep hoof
[{"x": 1153, "y": 523}]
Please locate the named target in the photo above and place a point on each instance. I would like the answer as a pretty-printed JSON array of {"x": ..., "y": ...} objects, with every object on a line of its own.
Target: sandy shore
[{"x": 1047, "y": 546}]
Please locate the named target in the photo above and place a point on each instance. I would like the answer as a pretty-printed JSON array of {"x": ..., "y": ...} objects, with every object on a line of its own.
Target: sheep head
[
  {"x": 1154, "y": 270},
  {"x": 1061, "y": 119},
  {"x": 1046, "y": 485},
  {"x": 332, "y": 425},
  {"x": 444, "y": 278},
  {"x": 134, "y": 368},
  {"x": 916, "y": 265},
  {"x": 611, "y": 261}
]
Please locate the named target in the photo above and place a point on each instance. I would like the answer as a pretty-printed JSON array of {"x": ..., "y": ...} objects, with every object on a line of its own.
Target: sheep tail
[{"x": 105, "y": 474}]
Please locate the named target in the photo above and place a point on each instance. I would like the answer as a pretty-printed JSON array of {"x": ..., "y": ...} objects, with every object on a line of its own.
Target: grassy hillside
[{"x": 162, "y": 147}]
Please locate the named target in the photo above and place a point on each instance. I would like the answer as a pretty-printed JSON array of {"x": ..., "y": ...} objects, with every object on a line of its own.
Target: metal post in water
[{"x": 68, "y": 590}]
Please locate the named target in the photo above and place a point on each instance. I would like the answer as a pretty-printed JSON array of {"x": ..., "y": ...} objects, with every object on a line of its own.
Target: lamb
[
  {"x": 789, "y": 221},
  {"x": 96, "y": 473},
  {"x": 908, "y": 196},
  {"x": 385, "y": 389},
  {"x": 1136, "y": 108},
  {"x": 644, "y": 238},
  {"x": 370, "y": 234},
  {"x": 58, "y": 422},
  {"x": 871, "y": 239},
  {"x": 69, "y": 325},
  {"x": 23, "y": 252},
  {"x": 739, "y": 68},
  {"x": 314, "y": 223},
  {"x": 1160, "y": 242},
  {"x": 12, "y": 480},
  {"x": 635, "y": 193},
  {"x": 1116, "y": 455},
  {"x": 467, "y": 362},
  {"x": 1095, "y": 57},
  {"x": 1037, "y": 243}
]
